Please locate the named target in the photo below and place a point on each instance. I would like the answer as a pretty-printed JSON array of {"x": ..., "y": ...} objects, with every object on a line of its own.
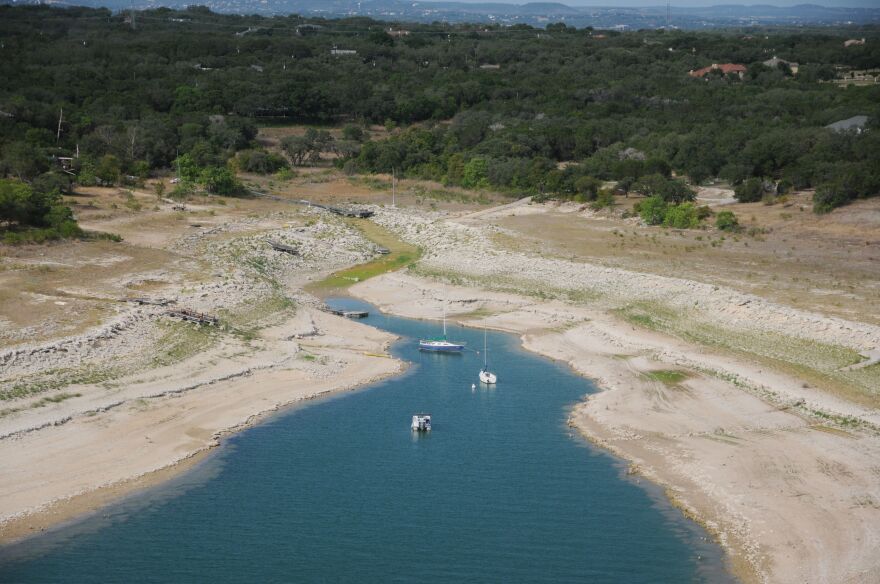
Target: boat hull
[
  {"x": 440, "y": 347},
  {"x": 487, "y": 378}
]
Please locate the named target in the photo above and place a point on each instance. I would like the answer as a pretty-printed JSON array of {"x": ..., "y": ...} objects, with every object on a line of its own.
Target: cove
[{"x": 341, "y": 490}]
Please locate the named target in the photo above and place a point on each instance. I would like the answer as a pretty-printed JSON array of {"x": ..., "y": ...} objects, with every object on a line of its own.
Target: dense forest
[{"x": 554, "y": 111}]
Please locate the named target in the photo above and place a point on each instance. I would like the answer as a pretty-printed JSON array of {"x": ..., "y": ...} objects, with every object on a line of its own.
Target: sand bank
[{"x": 790, "y": 499}]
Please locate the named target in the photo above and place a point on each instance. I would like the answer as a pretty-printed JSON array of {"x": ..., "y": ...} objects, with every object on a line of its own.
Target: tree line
[{"x": 549, "y": 112}]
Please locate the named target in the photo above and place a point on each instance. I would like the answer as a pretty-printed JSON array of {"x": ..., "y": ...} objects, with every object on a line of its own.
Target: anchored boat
[
  {"x": 486, "y": 376},
  {"x": 441, "y": 344},
  {"x": 421, "y": 423}
]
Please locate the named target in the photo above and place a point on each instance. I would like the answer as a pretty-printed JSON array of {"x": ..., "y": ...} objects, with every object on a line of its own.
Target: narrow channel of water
[{"x": 341, "y": 490}]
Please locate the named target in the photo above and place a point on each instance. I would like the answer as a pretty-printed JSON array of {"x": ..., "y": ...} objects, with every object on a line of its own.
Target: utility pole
[
  {"x": 393, "y": 189},
  {"x": 60, "y": 118},
  {"x": 667, "y": 14}
]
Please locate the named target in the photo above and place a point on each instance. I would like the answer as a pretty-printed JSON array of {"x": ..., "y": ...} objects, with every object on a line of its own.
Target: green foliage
[
  {"x": 845, "y": 183},
  {"x": 353, "y": 133},
  {"x": 683, "y": 216},
  {"x": 260, "y": 161},
  {"x": 587, "y": 188},
  {"x": 34, "y": 213},
  {"x": 604, "y": 199},
  {"x": 750, "y": 191},
  {"x": 307, "y": 149},
  {"x": 670, "y": 190},
  {"x": 652, "y": 210},
  {"x": 727, "y": 221},
  {"x": 622, "y": 108},
  {"x": 474, "y": 174},
  {"x": 220, "y": 181}
]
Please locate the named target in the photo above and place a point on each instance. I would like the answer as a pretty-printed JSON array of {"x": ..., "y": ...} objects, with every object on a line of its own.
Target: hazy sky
[{"x": 847, "y": 3}]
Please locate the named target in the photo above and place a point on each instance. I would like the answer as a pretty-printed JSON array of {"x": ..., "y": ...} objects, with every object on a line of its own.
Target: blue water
[{"x": 341, "y": 490}]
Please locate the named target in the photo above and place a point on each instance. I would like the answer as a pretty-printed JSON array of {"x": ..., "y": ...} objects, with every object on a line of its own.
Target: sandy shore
[
  {"x": 790, "y": 499},
  {"x": 96, "y": 455}
]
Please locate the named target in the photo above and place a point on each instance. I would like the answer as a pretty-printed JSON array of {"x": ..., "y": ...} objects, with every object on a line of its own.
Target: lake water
[{"x": 341, "y": 490}]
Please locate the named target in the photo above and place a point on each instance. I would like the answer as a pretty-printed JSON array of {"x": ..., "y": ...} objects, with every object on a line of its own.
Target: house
[
  {"x": 854, "y": 124},
  {"x": 490, "y": 66},
  {"x": 852, "y": 42},
  {"x": 725, "y": 68},
  {"x": 397, "y": 33},
  {"x": 776, "y": 61}
]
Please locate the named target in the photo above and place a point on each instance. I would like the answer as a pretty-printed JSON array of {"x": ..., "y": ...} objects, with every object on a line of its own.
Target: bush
[
  {"x": 353, "y": 133},
  {"x": 260, "y": 161},
  {"x": 605, "y": 198},
  {"x": 683, "y": 216},
  {"x": 749, "y": 191},
  {"x": 727, "y": 221},
  {"x": 587, "y": 187},
  {"x": 652, "y": 210}
]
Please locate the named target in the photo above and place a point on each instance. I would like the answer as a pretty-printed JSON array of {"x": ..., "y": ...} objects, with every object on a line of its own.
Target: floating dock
[{"x": 348, "y": 313}]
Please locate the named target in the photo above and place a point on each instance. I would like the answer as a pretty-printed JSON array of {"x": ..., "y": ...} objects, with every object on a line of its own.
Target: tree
[
  {"x": 109, "y": 169},
  {"x": 353, "y": 133},
  {"x": 220, "y": 181},
  {"x": 749, "y": 191}
]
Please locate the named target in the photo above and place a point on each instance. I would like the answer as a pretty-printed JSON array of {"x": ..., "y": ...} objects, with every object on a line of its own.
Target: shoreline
[
  {"x": 767, "y": 523},
  {"x": 188, "y": 426}
]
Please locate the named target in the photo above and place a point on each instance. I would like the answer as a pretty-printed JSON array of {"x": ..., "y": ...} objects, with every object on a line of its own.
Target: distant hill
[{"x": 533, "y": 13}]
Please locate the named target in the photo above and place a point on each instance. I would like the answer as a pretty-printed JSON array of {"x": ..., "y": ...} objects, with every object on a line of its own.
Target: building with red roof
[{"x": 725, "y": 68}]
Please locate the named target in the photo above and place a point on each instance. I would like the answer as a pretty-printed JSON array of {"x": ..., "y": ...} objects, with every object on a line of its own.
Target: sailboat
[
  {"x": 486, "y": 376},
  {"x": 441, "y": 344}
]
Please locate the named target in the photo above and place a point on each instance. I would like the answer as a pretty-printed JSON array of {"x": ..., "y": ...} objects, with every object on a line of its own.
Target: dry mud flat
[{"x": 785, "y": 473}]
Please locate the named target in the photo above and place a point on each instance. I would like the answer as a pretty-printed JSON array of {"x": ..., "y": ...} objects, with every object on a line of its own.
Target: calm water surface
[{"x": 340, "y": 490}]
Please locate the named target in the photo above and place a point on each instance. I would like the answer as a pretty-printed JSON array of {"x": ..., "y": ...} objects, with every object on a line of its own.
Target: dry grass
[{"x": 821, "y": 263}]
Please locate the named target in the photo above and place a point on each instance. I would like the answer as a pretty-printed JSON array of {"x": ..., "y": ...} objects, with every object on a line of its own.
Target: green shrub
[
  {"x": 727, "y": 221},
  {"x": 605, "y": 198},
  {"x": 652, "y": 210},
  {"x": 682, "y": 216},
  {"x": 749, "y": 191}
]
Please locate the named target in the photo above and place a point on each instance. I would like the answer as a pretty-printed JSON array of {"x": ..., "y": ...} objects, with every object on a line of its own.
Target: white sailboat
[
  {"x": 441, "y": 344},
  {"x": 486, "y": 376}
]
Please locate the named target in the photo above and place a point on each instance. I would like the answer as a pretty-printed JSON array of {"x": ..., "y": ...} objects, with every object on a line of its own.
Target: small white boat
[
  {"x": 421, "y": 423},
  {"x": 486, "y": 376}
]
